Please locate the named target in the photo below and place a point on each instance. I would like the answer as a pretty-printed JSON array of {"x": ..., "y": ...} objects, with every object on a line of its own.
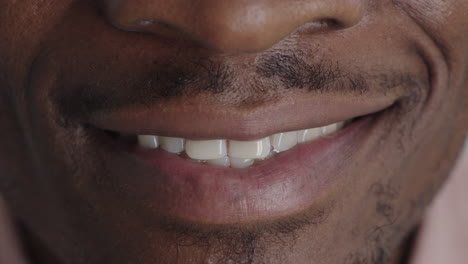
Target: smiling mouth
[
  {"x": 230, "y": 164},
  {"x": 235, "y": 153},
  {"x": 213, "y": 174}
]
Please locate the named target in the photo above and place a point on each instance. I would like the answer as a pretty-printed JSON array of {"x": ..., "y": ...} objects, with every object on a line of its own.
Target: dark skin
[{"x": 66, "y": 66}]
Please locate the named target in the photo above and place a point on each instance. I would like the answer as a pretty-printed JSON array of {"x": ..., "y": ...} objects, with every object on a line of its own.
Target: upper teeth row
[{"x": 232, "y": 153}]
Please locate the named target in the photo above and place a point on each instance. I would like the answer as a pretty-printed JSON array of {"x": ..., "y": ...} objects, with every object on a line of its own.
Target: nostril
[
  {"x": 232, "y": 25},
  {"x": 320, "y": 25},
  {"x": 331, "y": 23}
]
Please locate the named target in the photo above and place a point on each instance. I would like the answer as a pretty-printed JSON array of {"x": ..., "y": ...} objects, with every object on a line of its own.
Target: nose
[{"x": 230, "y": 25}]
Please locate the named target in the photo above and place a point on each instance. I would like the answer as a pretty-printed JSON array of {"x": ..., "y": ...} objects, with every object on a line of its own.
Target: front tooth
[
  {"x": 172, "y": 144},
  {"x": 223, "y": 162},
  {"x": 284, "y": 141},
  {"x": 148, "y": 141},
  {"x": 241, "y": 163},
  {"x": 307, "y": 135},
  {"x": 257, "y": 149},
  {"x": 206, "y": 149}
]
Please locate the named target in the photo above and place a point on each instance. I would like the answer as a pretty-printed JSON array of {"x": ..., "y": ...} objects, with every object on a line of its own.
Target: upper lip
[{"x": 202, "y": 121}]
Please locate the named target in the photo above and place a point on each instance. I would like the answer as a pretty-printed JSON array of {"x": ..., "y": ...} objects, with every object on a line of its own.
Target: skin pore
[{"x": 70, "y": 70}]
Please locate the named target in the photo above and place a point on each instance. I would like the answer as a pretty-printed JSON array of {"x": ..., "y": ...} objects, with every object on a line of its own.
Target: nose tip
[{"x": 230, "y": 25}]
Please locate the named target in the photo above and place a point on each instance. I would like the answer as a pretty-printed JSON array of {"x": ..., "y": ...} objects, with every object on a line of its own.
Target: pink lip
[{"x": 285, "y": 184}]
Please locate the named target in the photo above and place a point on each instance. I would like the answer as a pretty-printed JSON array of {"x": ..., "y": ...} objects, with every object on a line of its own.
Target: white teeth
[
  {"x": 241, "y": 163},
  {"x": 257, "y": 149},
  {"x": 309, "y": 134},
  {"x": 148, "y": 141},
  {"x": 172, "y": 144},
  {"x": 284, "y": 141},
  {"x": 327, "y": 130},
  {"x": 340, "y": 125},
  {"x": 223, "y": 162},
  {"x": 206, "y": 149},
  {"x": 233, "y": 153}
]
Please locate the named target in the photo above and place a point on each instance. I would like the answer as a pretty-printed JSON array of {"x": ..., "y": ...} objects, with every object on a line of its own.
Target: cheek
[
  {"x": 384, "y": 201},
  {"x": 435, "y": 12},
  {"x": 14, "y": 159},
  {"x": 464, "y": 111}
]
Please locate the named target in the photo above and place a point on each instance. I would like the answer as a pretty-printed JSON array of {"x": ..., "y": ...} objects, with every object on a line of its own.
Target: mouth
[
  {"x": 199, "y": 161},
  {"x": 237, "y": 179}
]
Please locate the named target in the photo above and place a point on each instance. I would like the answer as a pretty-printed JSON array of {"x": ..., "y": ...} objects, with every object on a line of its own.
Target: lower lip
[{"x": 286, "y": 184}]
